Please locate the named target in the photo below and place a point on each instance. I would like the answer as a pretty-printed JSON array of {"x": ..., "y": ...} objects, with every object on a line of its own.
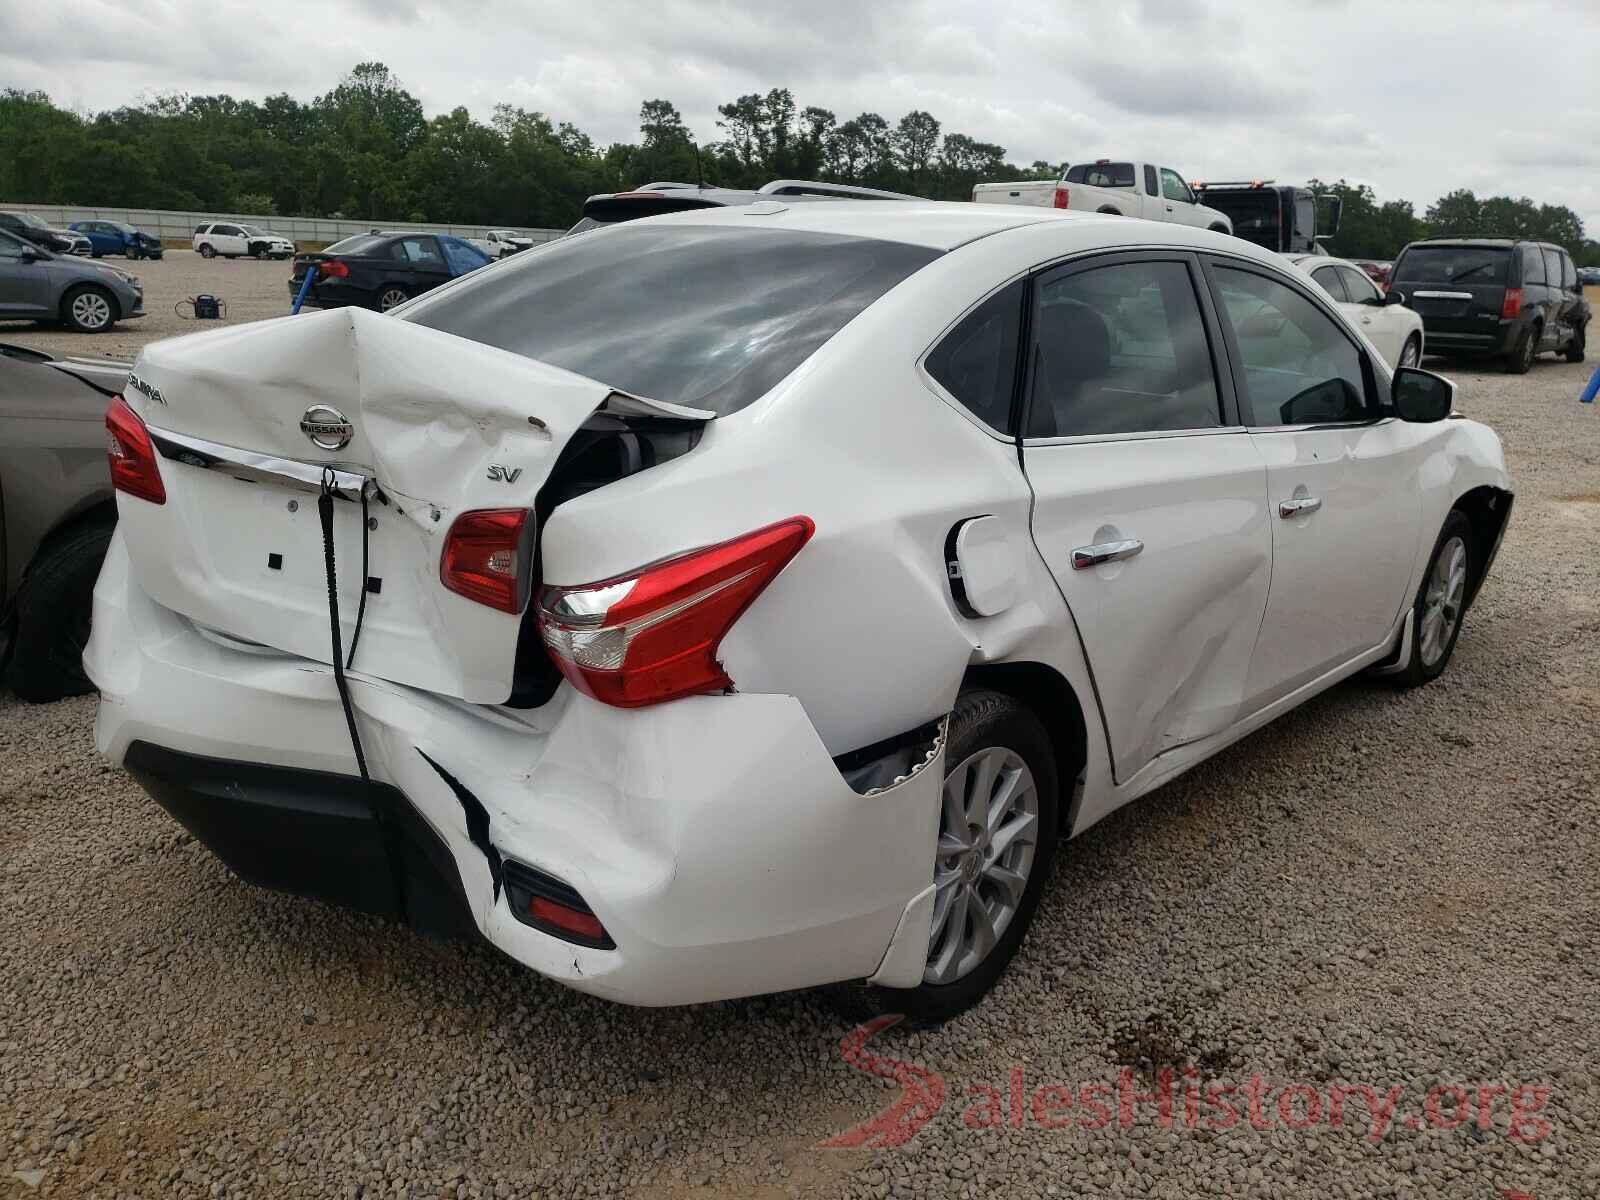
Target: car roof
[
  {"x": 1490, "y": 243},
  {"x": 938, "y": 225}
]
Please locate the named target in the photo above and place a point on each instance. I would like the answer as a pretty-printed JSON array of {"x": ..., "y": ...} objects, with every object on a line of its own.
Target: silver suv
[{"x": 38, "y": 285}]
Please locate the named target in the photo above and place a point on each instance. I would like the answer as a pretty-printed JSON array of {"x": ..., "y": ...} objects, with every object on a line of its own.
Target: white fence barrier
[{"x": 172, "y": 226}]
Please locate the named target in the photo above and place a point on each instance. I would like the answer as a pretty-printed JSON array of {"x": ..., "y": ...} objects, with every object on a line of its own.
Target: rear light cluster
[
  {"x": 653, "y": 635},
  {"x": 131, "y": 454},
  {"x": 332, "y": 268},
  {"x": 1062, "y": 196},
  {"x": 1511, "y": 307},
  {"x": 488, "y": 557}
]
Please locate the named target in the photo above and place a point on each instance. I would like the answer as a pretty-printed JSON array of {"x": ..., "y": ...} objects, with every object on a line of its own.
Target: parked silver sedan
[{"x": 36, "y": 284}]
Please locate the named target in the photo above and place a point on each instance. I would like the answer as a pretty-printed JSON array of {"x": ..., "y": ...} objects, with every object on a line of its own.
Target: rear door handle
[
  {"x": 1300, "y": 506},
  {"x": 1085, "y": 557}
]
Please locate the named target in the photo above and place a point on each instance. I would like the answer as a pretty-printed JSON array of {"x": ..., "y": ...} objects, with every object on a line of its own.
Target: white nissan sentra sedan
[{"x": 752, "y": 599}]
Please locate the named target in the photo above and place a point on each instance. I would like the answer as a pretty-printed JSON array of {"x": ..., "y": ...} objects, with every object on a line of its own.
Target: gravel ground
[
  {"x": 252, "y": 289},
  {"x": 1395, "y": 890}
]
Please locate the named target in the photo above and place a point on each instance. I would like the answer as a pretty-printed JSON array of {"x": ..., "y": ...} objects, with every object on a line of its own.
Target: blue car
[{"x": 113, "y": 237}]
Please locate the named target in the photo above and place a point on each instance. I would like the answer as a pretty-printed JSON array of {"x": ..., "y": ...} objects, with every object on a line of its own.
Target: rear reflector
[
  {"x": 585, "y": 924},
  {"x": 487, "y": 557},
  {"x": 1511, "y": 306},
  {"x": 653, "y": 635},
  {"x": 1062, "y": 196},
  {"x": 131, "y": 454},
  {"x": 552, "y": 906}
]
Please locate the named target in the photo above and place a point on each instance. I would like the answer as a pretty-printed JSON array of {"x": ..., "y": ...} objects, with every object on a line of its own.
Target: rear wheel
[
  {"x": 89, "y": 309},
  {"x": 1575, "y": 348},
  {"x": 53, "y": 611},
  {"x": 207, "y": 250},
  {"x": 1441, "y": 603},
  {"x": 997, "y": 837},
  {"x": 1520, "y": 360},
  {"x": 130, "y": 252},
  {"x": 391, "y": 296},
  {"x": 1411, "y": 352}
]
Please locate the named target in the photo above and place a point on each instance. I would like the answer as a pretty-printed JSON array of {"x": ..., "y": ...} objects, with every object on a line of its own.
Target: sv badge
[{"x": 500, "y": 474}]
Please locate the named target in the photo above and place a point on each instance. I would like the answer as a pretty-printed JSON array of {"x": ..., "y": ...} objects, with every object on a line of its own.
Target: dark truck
[
  {"x": 1501, "y": 297},
  {"x": 1280, "y": 217}
]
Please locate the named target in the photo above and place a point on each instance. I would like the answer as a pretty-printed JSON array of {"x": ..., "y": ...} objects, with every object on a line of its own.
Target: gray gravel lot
[{"x": 1396, "y": 890}]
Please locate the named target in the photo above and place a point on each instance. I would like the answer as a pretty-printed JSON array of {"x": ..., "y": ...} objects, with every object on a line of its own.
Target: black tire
[
  {"x": 1419, "y": 669},
  {"x": 1520, "y": 360},
  {"x": 94, "y": 253},
  {"x": 53, "y": 609},
  {"x": 207, "y": 250},
  {"x": 259, "y": 251},
  {"x": 130, "y": 252},
  {"x": 1413, "y": 343},
  {"x": 981, "y": 720},
  {"x": 96, "y": 313},
  {"x": 1575, "y": 348}
]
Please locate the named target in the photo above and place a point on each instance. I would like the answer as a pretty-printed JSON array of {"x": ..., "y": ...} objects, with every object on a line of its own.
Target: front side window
[
  {"x": 976, "y": 362},
  {"x": 1299, "y": 367},
  {"x": 419, "y": 252},
  {"x": 12, "y": 247},
  {"x": 1174, "y": 188},
  {"x": 1552, "y": 267},
  {"x": 461, "y": 256},
  {"x": 1569, "y": 272},
  {"x": 706, "y": 316},
  {"x": 1120, "y": 349}
]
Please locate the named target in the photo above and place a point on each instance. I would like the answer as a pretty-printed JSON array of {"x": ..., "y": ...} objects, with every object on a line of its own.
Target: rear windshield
[
  {"x": 1453, "y": 264},
  {"x": 707, "y": 317},
  {"x": 1102, "y": 174},
  {"x": 361, "y": 243}
]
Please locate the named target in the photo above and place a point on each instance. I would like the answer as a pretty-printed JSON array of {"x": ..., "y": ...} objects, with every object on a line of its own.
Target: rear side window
[
  {"x": 977, "y": 360},
  {"x": 1150, "y": 181},
  {"x": 1453, "y": 264},
  {"x": 1107, "y": 174},
  {"x": 1552, "y": 267},
  {"x": 1569, "y": 271},
  {"x": 1328, "y": 277},
  {"x": 710, "y": 317},
  {"x": 1120, "y": 349},
  {"x": 1532, "y": 265}
]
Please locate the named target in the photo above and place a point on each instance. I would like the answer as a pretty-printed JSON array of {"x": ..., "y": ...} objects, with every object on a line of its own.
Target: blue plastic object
[
  {"x": 1593, "y": 390},
  {"x": 305, "y": 286}
]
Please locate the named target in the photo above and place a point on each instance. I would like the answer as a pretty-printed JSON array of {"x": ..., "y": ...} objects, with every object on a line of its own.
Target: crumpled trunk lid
[{"x": 428, "y": 425}]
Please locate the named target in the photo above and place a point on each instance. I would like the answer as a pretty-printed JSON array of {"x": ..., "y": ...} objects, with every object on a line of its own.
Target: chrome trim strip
[
  {"x": 348, "y": 483},
  {"x": 1442, "y": 295},
  {"x": 1083, "y": 439}
]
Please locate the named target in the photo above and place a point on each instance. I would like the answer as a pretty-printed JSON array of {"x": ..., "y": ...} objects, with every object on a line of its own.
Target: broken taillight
[
  {"x": 131, "y": 454},
  {"x": 653, "y": 635},
  {"x": 488, "y": 555}
]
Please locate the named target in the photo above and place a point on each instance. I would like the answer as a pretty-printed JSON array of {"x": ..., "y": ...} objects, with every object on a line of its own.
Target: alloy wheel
[
  {"x": 1410, "y": 355},
  {"x": 91, "y": 310},
  {"x": 988, "y": 830},
  {"x": 390, "y": 298},
  {"x": 1442, "y": 600}
]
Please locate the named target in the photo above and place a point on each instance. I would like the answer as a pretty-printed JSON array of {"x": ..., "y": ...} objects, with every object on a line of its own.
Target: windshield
[
  {"x": 1453, "y": 264},
  {"x": 32, "y": 220},
  {"x": 705, "y": 317},
  {"x": 254, "y": 230}
]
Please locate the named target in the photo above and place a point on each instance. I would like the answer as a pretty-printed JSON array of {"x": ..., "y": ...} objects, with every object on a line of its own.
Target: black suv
[
  {"x": 1494, "y": 296},
  {"x": 653, "y": 199}
]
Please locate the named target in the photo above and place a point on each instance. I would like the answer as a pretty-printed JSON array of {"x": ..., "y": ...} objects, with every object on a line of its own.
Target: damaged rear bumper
[{"x": 713, "y": 837}]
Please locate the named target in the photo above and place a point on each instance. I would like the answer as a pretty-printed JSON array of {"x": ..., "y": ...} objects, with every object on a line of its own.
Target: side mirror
[
  {"x": 1421, "y": 396},
  {"x": 29, "y": 254},
  {"x": 1393, "y": 296}
]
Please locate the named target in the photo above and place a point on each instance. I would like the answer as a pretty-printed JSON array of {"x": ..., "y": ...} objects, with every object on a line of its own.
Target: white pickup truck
[
  {"x": 1127, "y": 189},
  {"x": 498, "y": 243}
]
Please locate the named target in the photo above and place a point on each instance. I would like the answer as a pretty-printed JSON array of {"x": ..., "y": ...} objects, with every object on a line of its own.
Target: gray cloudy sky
[{"x": 1414, "y": 97}]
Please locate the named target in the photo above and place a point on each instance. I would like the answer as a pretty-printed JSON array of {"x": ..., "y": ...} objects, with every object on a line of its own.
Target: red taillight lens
[
  {"x": 131, "y": 454},
  {"x": 487, "y": 557},
  {"x": 332, "y": 269},
  {"x": 653, "y": 636},
  {"x": 1062, "y": 195},
  {"x": 1512, "y": 306},
  {"x": 568, "y": 920}
]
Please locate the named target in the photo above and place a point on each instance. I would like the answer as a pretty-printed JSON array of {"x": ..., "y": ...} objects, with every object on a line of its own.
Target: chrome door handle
[
  {"x": 1300, "y": 506},
  {"x": 1085, "y": 557}
]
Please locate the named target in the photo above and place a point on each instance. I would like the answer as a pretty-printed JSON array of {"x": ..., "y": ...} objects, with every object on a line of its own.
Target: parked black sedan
[
  {"x": 380, "y": 270},
  {"x": 31, "y": 228}
]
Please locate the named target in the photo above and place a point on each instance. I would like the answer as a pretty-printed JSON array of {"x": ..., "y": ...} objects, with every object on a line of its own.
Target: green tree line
[{"x": 366, "y": 151}]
